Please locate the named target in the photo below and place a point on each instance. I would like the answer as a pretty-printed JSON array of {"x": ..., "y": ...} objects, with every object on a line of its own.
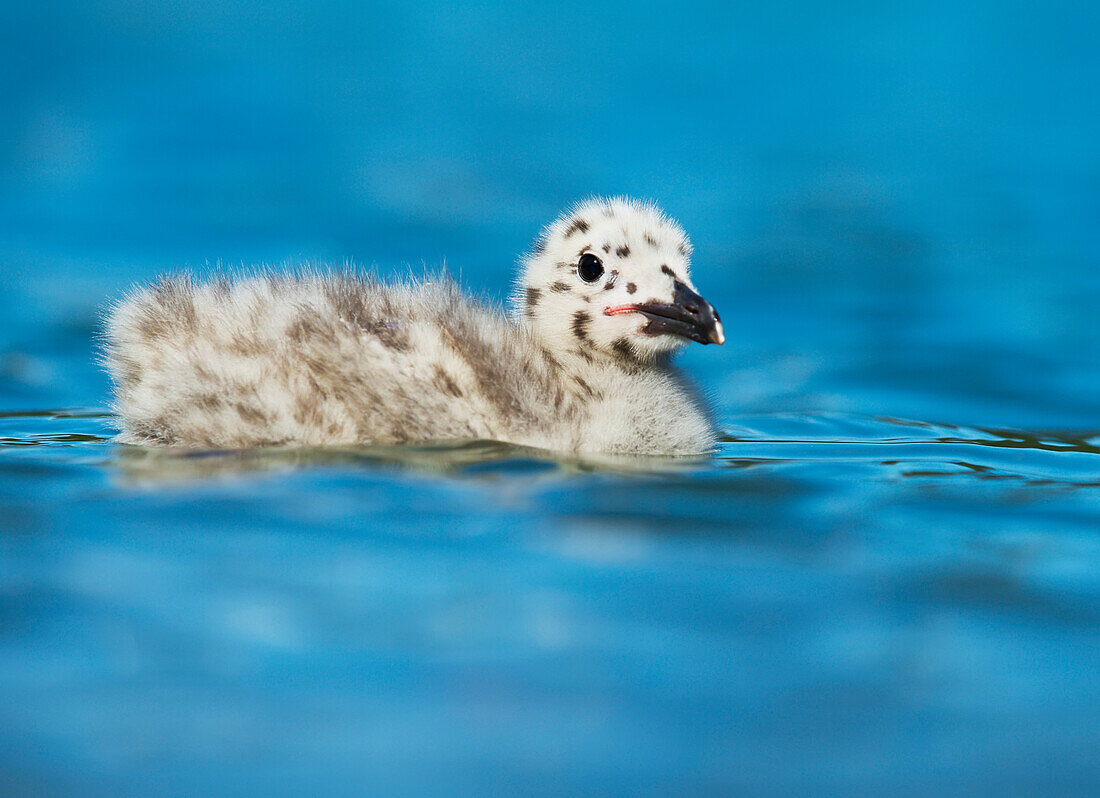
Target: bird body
[{"x": 339, "y": 358}]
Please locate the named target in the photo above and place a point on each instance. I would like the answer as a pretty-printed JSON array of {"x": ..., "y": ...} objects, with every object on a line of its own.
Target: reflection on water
[
  {"x": 471, "y": 460},
  {"x": 893, "y": 206},
  {"x": 851, "y": 439},
  {"x": 751, "y": 441},
  {"x": 437, "y": 616}
]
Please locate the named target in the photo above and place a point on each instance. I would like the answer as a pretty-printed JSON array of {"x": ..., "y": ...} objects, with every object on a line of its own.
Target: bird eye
[{"x": 589, "y": 267}]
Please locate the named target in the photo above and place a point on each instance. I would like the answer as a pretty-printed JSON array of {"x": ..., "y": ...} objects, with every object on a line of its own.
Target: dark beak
[{"x": 689, "y": 316}]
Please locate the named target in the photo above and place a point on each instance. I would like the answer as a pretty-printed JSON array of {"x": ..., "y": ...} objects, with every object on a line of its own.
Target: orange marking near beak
[{"x": 620, "y": 309}]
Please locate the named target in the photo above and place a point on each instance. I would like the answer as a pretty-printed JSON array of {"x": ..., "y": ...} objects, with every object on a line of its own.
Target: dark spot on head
[
  {"x": 623, "y": 251},
  {"x": 540, "y": 245},
  {"x": 683, "y": 249},
  {"x": 668, "y": 271},
  {"x": 578, "y": 225},
  {"x": 613, "y": 276},
  {"x": 631, "y": 288},
  {"x": 606, "y": 247},
  {"x": 649, "y": 239},
  {"x": 560, "y": 288},
  {"x": 581, "y": 320},
  {"x": 533, "y": 295}
]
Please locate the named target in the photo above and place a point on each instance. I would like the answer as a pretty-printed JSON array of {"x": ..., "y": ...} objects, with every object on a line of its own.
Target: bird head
[{"x": 611, "y": 277}]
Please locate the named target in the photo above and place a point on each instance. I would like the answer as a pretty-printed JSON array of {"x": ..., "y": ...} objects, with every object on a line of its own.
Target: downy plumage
[{"x": 330, "y": 358}]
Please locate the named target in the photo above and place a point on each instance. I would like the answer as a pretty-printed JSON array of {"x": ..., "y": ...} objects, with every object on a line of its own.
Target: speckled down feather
[{"x": 320, "y": 358}]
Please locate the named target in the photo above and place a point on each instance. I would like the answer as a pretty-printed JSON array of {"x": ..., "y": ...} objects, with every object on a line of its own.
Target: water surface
[
  {"x": 887, "y": 603},
  {"x": 887, "y": 579}
]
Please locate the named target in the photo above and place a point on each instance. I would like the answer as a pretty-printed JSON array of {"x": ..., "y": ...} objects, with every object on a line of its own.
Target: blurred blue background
[{"x": 895, "y": 208}]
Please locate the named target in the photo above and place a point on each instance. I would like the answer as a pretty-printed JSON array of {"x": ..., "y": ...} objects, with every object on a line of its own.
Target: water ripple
[{"x": 889, "y": 447}]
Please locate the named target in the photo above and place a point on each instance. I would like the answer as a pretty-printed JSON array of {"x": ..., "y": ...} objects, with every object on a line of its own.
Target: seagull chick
[{"x": 581, "y": 365}]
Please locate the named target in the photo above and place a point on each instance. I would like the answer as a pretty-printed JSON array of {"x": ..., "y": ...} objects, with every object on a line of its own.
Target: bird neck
[
  {"x": 590, "y": 358},
  {"x": 583, "y": 355}
]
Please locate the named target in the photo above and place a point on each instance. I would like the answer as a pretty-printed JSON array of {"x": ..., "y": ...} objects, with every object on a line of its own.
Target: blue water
[{"x": 887, "y": 580}]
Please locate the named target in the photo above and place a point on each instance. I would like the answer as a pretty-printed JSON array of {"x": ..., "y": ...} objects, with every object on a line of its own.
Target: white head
[{"x": 611, "y": 277}]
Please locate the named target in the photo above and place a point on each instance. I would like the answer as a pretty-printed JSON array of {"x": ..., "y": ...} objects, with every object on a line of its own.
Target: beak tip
[{"x": 717, "y": 334}]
